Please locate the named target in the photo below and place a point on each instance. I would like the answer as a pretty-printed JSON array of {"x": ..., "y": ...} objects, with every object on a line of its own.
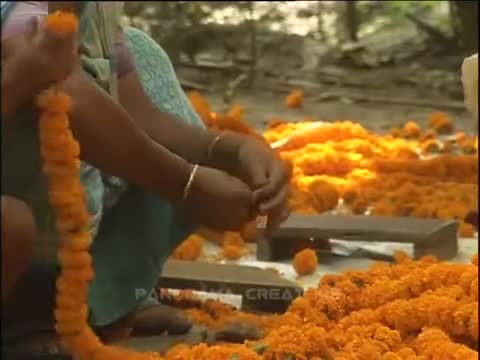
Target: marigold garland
[{"x": 61, "y": 166}]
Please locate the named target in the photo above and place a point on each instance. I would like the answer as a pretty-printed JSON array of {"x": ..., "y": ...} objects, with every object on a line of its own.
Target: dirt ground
[
  {"x": 263, "y": 104},
  {"x": 336, "y": 87}
]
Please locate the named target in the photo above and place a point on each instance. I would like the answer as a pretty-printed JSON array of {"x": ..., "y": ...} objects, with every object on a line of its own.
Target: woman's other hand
[
  {"x": 43, "y": 57},
  {"x": 219, "y": 201},
  {"x": 268, "y": 177}
]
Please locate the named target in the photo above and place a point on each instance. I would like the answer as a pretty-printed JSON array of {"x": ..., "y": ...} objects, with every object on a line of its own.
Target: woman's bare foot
[
  {"x": 32, "y": 341},
  {"x": 44, "y": 343},
  {"x": 238, "y": 332},
  {"x": 157, "y": 319}
]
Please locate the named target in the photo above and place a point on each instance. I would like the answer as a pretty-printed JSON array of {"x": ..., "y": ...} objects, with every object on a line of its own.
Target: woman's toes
[
  {"x": 238, "y": 332},
  {"x": 158, "y": 319},
  {"x": 40, "y": 344}
]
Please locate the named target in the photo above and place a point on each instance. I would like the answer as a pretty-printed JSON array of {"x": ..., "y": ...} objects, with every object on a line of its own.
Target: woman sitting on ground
[{"x": 140, "y": 142}]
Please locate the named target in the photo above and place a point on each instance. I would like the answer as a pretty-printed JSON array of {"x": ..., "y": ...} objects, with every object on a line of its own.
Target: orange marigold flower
[
  {"x": 305, "y": 262},
  {"x": 323, "y": 195},
  {"x": 411, "y": 130},
  {"x": 233, "y": 252},
  {"x": 201, "y": 106},
  {"x": 447, "y": 147},
  {"x": 466, "y": 230},
  {"x": 190, "y": 249},
  {"x": 233, "y": 247},
  {"x": 395, "y": 132},
  {"x": 294, "y": 99},
  {"x": 62, "y": 22},
  {"x": 431, "y": 146},
  {"x": 441, "y": 122},
  {"x": 468, "y": 146},
  {"x": 428, "y": 135},
  {"x": 401, "y": 256},
  {"x": 475, "y": 260}
]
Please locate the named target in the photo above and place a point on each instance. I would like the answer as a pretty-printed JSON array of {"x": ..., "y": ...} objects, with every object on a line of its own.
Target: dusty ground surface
[
  {"x": 395, "y": 77},
  {"x": 266, "y": 100},
  {"x": 262, "y": 106}
]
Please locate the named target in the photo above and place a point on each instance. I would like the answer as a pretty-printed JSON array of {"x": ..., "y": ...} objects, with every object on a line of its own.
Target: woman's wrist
[
  {"x": 191, "y": 179},
  {"x": 20, "y": 83},
  {"x": 174, "y": 175},
  {"x": 223, "y": 150}
]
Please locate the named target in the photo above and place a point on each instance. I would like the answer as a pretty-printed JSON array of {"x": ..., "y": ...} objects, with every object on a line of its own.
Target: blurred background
[{"x": 378, "y": 62}]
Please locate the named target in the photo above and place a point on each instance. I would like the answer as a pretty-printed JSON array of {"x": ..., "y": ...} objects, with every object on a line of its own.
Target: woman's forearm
[
  {"x": 12, "y": 96},
  {"x": 190, "y": 142},
  {"x": 111, "y": 141},
  {"x": 17, "y": 88}
]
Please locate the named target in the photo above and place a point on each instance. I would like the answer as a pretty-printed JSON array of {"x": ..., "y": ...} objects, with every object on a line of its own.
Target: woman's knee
[
  {"x": 18, "y": 234},
  {"x": 17, "y": 222}
]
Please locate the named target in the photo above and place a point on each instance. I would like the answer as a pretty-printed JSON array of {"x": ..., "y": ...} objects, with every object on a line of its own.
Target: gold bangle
[
  {"x": 212, "y": 146},
  {"x": 186, "y": 190}
]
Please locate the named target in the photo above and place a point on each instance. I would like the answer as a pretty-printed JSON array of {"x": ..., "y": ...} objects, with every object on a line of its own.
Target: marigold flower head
[
  {"x": 62, "y": 22},
  {"x": 305, "y": 262},
  {"x": 294, "y": 99}
]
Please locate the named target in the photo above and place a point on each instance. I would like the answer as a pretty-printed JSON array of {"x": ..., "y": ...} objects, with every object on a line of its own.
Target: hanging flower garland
[{"x": 61, "y": 165}]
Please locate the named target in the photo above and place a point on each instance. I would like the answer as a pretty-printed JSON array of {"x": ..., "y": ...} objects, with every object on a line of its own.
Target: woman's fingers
[
  {"x": 275, "y": 208},
  {"x": 257, "y": 176},
  {"x": 276, "y": 190},
  {"x": 278, "y": 200},
  {"x": 276, "y": 217},
  {"x": 262, "y": 195},
  {"x": 272, "y": 199}
]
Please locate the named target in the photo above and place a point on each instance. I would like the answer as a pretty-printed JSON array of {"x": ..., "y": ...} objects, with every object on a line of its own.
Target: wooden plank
[
  {"x": 261, "y": 290},
  {"x": 428, "y": 236}
]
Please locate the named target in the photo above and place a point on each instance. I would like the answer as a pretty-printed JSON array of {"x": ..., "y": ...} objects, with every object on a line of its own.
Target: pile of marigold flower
[
  {"x": 233, "y": 245},
  {"x": 415, "y": 310},
  {"x": 409, "y": 171}
]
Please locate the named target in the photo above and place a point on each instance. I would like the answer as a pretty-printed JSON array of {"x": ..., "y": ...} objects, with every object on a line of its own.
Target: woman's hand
[
  {"x": 219, "y": 201},
  {"x": 33, "y": 62},
  {"x": 41, "y": 57},
  {"x": 268, "y": 177}
]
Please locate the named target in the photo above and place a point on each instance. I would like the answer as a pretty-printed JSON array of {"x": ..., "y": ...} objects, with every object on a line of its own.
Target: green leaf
[
  {"x": 234, "y": 357},
  {"x": 260, "y": 348}
]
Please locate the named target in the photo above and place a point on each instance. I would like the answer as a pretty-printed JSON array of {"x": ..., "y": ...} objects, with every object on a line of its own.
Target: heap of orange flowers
[
  {"x": 190, "y": 249},
  {"x": 410, "y": 171},
  {"x": 233, "y": 245},
  {"x": 61, "y": 165},
  {"x": 415, "y": 310}
]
